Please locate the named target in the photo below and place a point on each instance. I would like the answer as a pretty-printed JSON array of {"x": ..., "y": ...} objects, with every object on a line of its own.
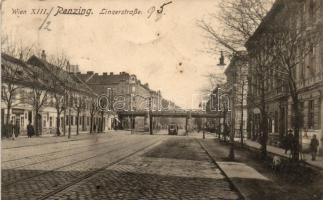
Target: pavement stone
[
  {"x": 148, "y": 177},
  {"x": 182, "y": 172}
]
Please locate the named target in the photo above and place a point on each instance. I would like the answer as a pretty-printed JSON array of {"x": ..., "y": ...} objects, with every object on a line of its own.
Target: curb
[{"x": 232, "y": 184}]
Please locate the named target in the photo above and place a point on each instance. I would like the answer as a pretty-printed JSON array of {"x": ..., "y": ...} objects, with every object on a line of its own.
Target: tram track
[
  {"x": 65, "y": 156},
  {"x": 95, "y": 172},
  {"x": 7, "y": 185},
  {"x": 61, "y": 150},
  {"x": 46, "y": 143}
]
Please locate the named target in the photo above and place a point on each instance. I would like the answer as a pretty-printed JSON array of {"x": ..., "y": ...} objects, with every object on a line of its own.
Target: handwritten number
[
  {"x": 151, "y": 11},
  {"x": 46, "y": 21},
  {"x": 47, "y": 26},
  {"x": 160, "y": 11}
]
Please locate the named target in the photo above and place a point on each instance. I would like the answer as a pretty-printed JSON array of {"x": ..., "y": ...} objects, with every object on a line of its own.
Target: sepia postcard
[{"x": 162, "y": 99}]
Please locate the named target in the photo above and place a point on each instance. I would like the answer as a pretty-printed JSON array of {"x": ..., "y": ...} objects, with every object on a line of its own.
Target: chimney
[
  {"x": 43, "y": 55},
  {"x": 105, "y": 74},
  {"x": 111, "y": 73},
  {"x": 89, "y": 72}
]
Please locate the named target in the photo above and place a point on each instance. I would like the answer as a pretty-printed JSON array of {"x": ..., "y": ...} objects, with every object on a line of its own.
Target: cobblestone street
[{"x": 112, "y": 166}]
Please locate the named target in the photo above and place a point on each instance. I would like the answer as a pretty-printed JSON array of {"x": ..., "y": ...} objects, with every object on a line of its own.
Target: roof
[
  {"x": 238, "y": 57},
  {"x": 275, "y": 9},
  {"x": 54, "y": 73},
  {"x": 22, "y": 74},
  {"x": 95, "y": 78}
]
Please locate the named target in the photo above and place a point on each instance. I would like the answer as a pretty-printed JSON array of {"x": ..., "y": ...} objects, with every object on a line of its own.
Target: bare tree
[
  {"x": 14, "y": 48},
  {"x": 237, "y": 77},
  {"x": 79, "y": 107},
  {"x": 214, "y": 79},
  {"x": 235, "y": 23},
  {"x": 57, "y": 67},
  {"x": 295, "y": 40},
  {"x": 93, "y": 111},
  {"x": 38, "y": 98},
  {"x": 261, "y": 62},
  {"x": 13, "y": 72}
]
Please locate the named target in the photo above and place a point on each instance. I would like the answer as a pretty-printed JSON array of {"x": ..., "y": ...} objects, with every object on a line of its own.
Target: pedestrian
[
  {"x": 289, "y": 141},
  {"x": 94, "y": 127},
  {"x": 12, "y": 130},
  {"x": 30, "y": 130},
  {"x": 314, "y": 146}
]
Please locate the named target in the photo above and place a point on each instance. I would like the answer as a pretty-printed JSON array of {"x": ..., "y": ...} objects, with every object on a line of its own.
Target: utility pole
[
  {"x": 69, "y": 106},
  {"x": 232, "y": 132},
  {"x": 150, "y": 117}
]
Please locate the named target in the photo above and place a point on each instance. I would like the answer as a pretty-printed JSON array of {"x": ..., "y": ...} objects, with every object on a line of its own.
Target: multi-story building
[
  {"x": 237, "y": 85},
  {"x": 307, "y": 74},
  {"x": 125, "y": 93},
  {"x": 37, "y": 87}
]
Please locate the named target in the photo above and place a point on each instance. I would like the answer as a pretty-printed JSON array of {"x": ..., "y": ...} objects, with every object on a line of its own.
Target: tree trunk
[
  {"x": 58, "y": 124},
  {"x": 69, "y": 123},
  {"x": 241, "y": 119},
  {"x": 91, "y": 124},
  {"x": 6, "y": 131},
  {"x": 296, "y": 126},
  {"x": 8, "y": 113},
  {"x": 77, "y": 122},
  {"x": 101, "y": 128},
  {"x": 36, "y": 122},
  {"x": 64, "y": 123},
  {"x": 264, "y": 124}
]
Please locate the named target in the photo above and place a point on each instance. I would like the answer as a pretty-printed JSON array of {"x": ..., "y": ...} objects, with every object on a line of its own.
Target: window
[
  {"x": 61, "y": 122},
  {"x": 67, "y": 118},
  {"x": 270, "y": 127},
  {"x": 301, "y": 110},
  {"x": 22, "y": 121},
  {"x": 301, "y": 71},
  {"x": 72, "y": 120},
  {"x": 276, "y": 122},
  {"x": 3, "y": 92},
  {"x": 50, "y": 122},
  {"x": 311, "y": 11},
  {"x": 310, "y": 122}
]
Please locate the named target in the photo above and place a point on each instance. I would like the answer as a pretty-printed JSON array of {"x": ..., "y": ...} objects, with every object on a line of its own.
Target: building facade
[
  {"x": 126, "y": 93},
  {"x": 308, "y": 76},
  {"x": 35, "y": 90},
  {"x": 237, "y": 87}
]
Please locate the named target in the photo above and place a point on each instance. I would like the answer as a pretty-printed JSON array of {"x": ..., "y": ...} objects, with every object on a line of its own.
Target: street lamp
[{"x": 221, "y": 59}]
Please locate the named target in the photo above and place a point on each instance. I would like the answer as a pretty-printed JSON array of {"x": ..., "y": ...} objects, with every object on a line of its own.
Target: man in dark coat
[
  {"x": 30, "y": 130},
  {"x": 313, "y": 146}
]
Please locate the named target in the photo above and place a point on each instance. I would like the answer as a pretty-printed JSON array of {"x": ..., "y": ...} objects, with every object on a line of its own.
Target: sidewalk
[
  {"x": 254, "y": 180},
  {"x": 281, "y": 152},
  {"x": 250, "y": 183}
]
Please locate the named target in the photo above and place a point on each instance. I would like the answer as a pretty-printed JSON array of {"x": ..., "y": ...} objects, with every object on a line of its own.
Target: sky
[{"x": 167, "y": 51}]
